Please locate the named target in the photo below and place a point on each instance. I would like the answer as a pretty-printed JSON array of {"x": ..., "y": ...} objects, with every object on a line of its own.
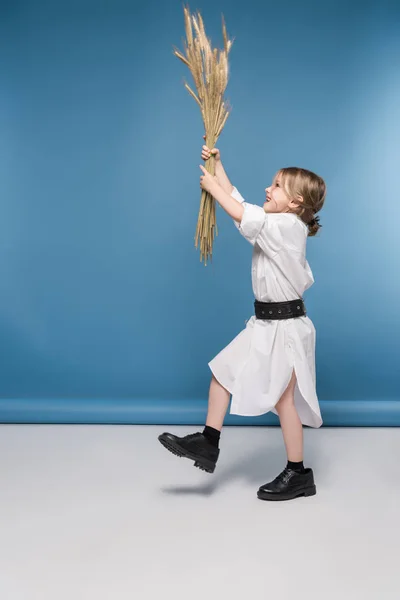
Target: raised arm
[
  {"x": 223, "y": 178},
  {"x": 220, "y": 172},
  {"x": 209, "y": 183}
]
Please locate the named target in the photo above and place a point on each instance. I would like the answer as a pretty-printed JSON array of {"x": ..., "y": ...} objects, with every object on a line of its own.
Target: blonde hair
[{"x": 298, "y": 182}]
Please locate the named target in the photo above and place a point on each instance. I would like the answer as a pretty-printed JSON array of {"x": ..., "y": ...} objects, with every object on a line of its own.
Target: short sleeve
[
  {"x": 236, "y": 194},
  {"x": 253, "y": 220},
  {"x": 270, "y": 231}
]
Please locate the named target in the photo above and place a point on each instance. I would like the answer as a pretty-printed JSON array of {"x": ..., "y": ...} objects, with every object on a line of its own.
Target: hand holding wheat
[
  {"x": 206, "y": 153},
  {"x": 207, "y": 181}
]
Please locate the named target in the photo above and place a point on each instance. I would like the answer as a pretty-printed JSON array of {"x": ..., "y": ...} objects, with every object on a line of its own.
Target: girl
[{"x": 270, "y": 365}]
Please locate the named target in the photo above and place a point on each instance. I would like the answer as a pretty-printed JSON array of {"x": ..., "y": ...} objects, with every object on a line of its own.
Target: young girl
[{"x": 270, "y": 365}]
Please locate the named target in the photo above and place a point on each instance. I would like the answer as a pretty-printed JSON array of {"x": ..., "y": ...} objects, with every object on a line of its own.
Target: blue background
[{"x": 106, "y": 313}]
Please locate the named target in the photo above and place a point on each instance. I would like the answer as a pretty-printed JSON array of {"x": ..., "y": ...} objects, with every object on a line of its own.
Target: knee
[{"x": 286, "y": 401}]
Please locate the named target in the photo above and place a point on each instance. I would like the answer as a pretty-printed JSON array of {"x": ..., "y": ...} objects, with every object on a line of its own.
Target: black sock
[
  {"x": 212, "y": 435},
  {"x": 295, "y": 466}
]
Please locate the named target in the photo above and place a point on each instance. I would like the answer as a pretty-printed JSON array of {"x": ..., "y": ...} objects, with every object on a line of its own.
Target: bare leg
[
  {"x": 202, "y": 448},
  {"x": 292, "y": 428},
  {"x": 218, "y": 402}
]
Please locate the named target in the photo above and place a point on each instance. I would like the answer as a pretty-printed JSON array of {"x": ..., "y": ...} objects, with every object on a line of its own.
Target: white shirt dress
[{"x": 256, "y": 367}]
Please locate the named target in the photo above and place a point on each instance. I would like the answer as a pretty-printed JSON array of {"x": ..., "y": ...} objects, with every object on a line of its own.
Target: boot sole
[
  {"x": 309, "y": 491},
  {"x": 201, "y": 463}
]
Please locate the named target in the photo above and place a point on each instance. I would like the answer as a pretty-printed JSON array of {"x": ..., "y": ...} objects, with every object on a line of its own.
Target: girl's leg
[
  {"x": 291, "y": 425},
  {"x": 218, "y": 402},
  {"x": 294, "y": 480},
  {"x": 203, "y": 448}
]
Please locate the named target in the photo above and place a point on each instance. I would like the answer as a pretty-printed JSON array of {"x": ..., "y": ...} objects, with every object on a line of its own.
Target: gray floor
[{"x": 96, "y": 512}]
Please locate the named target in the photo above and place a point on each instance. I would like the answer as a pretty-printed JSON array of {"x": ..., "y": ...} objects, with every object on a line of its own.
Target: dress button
[
  {"x": 279, "y": 311},
  {"x": 270, "y": 312}
]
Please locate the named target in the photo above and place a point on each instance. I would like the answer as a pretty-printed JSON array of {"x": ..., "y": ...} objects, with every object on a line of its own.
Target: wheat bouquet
[{"x": 209, "y": 69}]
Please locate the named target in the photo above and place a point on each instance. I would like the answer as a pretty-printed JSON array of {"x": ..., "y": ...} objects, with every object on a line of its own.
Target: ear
[
  {"x": 300, "y": 200},
  {"x": 297, "y": 202}
]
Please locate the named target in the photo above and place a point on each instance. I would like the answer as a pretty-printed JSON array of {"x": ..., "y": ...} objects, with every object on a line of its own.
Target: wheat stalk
[{"x": 209, "y": 69}]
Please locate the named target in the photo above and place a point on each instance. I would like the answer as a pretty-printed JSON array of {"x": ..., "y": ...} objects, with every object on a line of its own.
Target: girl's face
[{"x": 276, "y": 198}]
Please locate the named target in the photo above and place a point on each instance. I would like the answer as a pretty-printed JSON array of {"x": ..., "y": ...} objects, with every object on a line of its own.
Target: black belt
[{"x": 279, "y": 310}]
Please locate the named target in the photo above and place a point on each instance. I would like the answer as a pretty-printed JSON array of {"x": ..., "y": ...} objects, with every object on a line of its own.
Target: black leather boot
[
  {"x": 288, "y": 485},
  {"x": 194, "y": 447}
]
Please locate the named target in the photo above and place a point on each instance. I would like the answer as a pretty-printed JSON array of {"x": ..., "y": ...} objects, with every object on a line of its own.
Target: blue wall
[{"x": 102, "y": 297}]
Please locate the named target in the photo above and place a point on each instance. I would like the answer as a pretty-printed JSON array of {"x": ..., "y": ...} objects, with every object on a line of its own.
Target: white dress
[{"x": 256, "y": 367}]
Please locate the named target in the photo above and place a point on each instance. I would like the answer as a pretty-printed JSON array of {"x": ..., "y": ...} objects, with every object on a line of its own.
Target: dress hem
[{"x": 235, "y": 411}]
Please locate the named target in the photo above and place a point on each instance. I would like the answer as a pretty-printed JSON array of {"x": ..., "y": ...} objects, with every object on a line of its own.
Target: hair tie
[{"x": 314, "y": 221}]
